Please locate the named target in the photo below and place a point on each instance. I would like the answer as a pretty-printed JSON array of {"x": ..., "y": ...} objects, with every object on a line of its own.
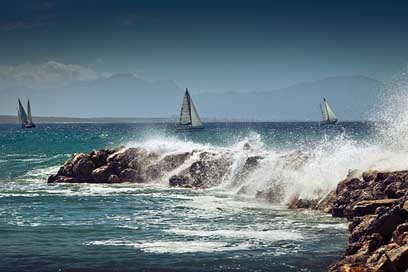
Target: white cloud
[{"x": 45, "y": 75}]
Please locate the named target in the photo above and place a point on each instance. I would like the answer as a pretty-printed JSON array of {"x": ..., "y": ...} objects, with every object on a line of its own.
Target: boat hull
[
  {"x": 329, "y": 123},
  {"x": 188, "y": 128},
  {"x": 28, "y": 126}
]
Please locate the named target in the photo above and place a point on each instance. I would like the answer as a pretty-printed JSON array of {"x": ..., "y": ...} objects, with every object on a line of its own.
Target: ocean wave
[
  {"x": 173, "y": 247},
  {"x": 265, "y": 235}
]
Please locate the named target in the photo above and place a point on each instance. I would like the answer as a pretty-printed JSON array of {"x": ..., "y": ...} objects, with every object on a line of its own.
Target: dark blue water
[{"x": 151, "y": 227}]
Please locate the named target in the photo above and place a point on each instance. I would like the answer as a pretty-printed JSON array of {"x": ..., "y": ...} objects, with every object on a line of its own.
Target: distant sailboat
[
  {"x": 328, "y": 115},
  {"x": 26, "y": 119},
  {"x": 189, "y": 118}
]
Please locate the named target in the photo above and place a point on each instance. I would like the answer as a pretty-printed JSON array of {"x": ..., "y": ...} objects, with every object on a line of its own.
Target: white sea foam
[
  {"x": 173, "y": 247},
  {"x": 265, "y": 235}
]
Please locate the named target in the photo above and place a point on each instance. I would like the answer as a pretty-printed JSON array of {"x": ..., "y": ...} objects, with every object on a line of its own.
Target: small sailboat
[
  {"x": 328, "y": 115},
  {"x": 25, "y": 118},
  {"x": 189, "y": 118}
]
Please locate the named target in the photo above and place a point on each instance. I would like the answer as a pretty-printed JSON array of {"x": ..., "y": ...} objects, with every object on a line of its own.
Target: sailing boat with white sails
[
  {"x": 328, "y": 115},
  {"x": 189, "y": 118},
  {"x": 25, "y": 118}
]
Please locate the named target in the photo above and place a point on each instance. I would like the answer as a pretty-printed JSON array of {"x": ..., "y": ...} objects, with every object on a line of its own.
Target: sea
[{"x": 152, "y": 227}]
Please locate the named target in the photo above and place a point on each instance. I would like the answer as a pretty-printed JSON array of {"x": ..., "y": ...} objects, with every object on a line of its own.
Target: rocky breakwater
[
  {"x": 376, "y": 205},
  {"x": 194, "y": 169}
]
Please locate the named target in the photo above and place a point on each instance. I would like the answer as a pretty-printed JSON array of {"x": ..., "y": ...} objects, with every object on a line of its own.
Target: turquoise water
[{"x": 152, "y": 227}]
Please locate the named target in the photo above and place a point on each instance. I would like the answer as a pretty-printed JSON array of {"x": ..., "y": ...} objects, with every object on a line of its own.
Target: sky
[
  {"x": 208, "y": 46},
  {"x": 215, "y": 46}
]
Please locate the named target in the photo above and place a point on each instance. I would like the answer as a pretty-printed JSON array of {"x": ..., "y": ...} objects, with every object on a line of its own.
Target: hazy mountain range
[{"x": 125, "y": 95}]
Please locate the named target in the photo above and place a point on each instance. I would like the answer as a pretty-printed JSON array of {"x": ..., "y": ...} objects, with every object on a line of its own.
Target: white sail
[
  {"x": 30, "y": 118},
  {"x": 189, "y": 116},
  {"x": 22, "y": 114},
  {"x": 195, "y": 118},
  {"x": 185, "y": 116},
  {"x": 328, "y": 114}
]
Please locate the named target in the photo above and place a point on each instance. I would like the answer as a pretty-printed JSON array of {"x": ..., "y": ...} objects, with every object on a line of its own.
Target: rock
[
  {"x": 369, "y": 175},
  {"x": 101, "y": 174},
  {"x": 180, "y": 181},
  {"x": 326, "y": 203},
  {"x": 113, "y": 179},
  {"x": 83, "y": 168},
  {"x": 130, "y": 175},
  {"x": 394, "y": 260},
  {"x": 208, "y": 173},
  {"x": 400, "y": 233},
  {"x": 62, "y": 179},
  {"x": 298, "y": 203},
  {"x": 99, "y": 157},
  {"x": 386, "y": 223},
  {"x": 366, "y": 207}
]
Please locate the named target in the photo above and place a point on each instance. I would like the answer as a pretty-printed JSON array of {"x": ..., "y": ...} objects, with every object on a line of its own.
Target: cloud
[{"x": 45, "y": 75}]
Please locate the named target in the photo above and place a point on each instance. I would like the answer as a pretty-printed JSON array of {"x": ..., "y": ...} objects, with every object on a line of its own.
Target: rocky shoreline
[{"x": 375, "y": 203}]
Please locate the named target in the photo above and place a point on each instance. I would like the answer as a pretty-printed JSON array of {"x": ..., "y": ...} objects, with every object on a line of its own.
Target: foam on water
[{"x": 174, "y": 247}]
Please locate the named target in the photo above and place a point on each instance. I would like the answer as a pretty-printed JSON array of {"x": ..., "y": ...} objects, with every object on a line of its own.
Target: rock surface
[
  {"x": 138, "y": 165},
  {"x": 376, "y": 206}
]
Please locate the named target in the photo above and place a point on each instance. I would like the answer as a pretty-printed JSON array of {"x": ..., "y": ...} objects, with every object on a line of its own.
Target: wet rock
[
  {"x": 99, "y": 157},
  {"x": 208, "y": 173},
  {"x": 180, "y": 181},
  {"x": 62, "y": 179},
  {"x": 113, "y": 179},
  {"x": 82, "y": 168},
  {"x": 130, "y": 175},
  {"x": 101, "y": 174},
  {"x": 366, "y": 207}
]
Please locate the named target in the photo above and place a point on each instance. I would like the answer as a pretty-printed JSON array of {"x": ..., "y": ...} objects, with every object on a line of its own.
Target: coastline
[{"x": 374, "y": 203}]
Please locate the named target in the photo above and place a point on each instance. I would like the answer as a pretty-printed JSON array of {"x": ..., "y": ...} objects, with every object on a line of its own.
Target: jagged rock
[
  {"x": 208, "y": 172},
  {"x": 180, "y": 181},
  {"x": 366, "y": 207},
  {"x": 131, "y": 175},
  {"x": 395, "y": 259},
  {"x": 298, "y": 203},
  {"x": 400, "y": 234},
  {"x": 369, "y": 175},
  {"x": 113, "y": 179},
  {"x": 62, "y": 179},
  {"x": 101, "y": 174},
  {"x": 99, "y": 157},
  {"x": 326, "y": 203}
]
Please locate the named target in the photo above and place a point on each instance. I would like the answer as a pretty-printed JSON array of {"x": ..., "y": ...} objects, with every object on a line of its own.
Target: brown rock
[
  {"x": 130, "y": 175},
  {"x": 83, "y": 168},
  {"x": 400, "y": 233},
  {"x": 101, "y": 174},
  {"x": 366, "y": 207}
]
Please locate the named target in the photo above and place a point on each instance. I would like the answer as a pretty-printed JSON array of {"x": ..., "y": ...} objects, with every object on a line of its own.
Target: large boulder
[
  {"x": 82, "y": 168},
  {"x": 102, "y": 174},
  {"x": 131, "y": 175},
  {"x": 180, "y": 181}
]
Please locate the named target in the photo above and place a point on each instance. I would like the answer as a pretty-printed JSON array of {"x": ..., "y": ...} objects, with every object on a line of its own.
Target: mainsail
[
  {"x": 22, "y": 114},
  {"x": 327, "y": 112},
  {"x": 30, "y": 118},
  {"x": 26, "y": 119},
  {"x": 189, "y": 116}
]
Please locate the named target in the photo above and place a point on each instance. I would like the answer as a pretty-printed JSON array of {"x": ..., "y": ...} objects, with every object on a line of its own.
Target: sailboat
[
  {"x": 328, "y": 115},
  {"x": 189, "y": 118},
  {"x": 25, "y": 118}
]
